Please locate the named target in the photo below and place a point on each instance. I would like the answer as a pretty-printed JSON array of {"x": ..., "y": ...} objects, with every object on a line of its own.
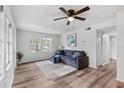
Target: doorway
[{"x": 106, "y": 45}]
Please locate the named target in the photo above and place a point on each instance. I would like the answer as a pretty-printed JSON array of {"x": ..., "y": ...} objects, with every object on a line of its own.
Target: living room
[{"x": 39, "y": 44}]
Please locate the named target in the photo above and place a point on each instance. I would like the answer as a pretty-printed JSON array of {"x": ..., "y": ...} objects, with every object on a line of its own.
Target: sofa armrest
[
  {"x": 82, "y": 62},
  {"x": 52, "y": 55}
]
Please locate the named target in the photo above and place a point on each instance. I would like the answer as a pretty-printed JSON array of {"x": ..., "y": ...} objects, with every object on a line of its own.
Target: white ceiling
[{"x": 41, "y": 16}]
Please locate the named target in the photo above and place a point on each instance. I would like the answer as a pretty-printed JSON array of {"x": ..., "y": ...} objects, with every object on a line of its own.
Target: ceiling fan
[{"x": 72, "y": 14}]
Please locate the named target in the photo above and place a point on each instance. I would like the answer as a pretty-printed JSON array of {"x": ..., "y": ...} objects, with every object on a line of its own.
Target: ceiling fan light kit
[
  {"x": 70, "y": 19},
  {"x": 72, "y": 14}
]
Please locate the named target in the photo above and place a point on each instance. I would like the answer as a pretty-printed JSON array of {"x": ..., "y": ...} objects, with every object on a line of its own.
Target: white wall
[
  {"x": 23, "y": 45},
  {"x": 120, "y": 29},
  {"x": 86, "y": 40}
]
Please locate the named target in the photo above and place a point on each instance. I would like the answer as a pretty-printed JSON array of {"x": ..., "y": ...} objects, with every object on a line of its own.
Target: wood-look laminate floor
[{"x": 29, "y": 76}]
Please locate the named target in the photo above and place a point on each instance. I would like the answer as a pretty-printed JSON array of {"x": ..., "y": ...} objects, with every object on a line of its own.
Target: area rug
[{"x": 54, "y": 71}]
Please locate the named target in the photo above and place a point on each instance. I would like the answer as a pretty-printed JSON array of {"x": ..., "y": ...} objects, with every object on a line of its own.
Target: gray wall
[{"x": 23, "y": 45}]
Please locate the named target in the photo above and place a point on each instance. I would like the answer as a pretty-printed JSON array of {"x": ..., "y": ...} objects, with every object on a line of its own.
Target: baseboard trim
[
  {"x": 105, "y": 63},
  {"x": 12, "y": 78},
  {"x": 25, "y": 62},
  {"x": 93, "y": 67},
  {"x": 113, "y": 59},
  {"x": 121, "y": 81},
  {"x": 10, "y": 86}
]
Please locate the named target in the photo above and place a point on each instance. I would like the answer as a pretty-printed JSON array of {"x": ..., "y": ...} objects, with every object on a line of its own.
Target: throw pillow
[{"x": 75, "y": 55}]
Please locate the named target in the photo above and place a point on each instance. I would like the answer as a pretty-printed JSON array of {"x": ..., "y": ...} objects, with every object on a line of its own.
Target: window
[
  {"x": 1, "y": 44},
  {"x": 47, "y": 44},
  {"x": 9, "y": 43},
  {"x": 35, "y": 44}
]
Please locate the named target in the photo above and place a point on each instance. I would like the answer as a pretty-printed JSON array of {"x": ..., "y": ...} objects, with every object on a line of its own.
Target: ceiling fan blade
[
  {"x": 68, "y": 23},
  {"x": 82, "y": 10},
  {"x": 60, "y": 18},
  {"x": 80, "y": 18},
  {"x": 64, "y": 10}
]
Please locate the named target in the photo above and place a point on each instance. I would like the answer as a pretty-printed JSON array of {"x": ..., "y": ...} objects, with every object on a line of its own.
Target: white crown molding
[{"x": 34, "y": 28}]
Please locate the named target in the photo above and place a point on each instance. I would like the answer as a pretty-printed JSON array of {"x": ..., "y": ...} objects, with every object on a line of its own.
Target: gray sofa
[{"x": 74, "y": 58}]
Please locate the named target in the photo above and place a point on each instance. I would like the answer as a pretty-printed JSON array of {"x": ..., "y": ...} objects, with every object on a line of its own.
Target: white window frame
[
  {"x": 49, "y": 49},
  {"x": 2, "y": 39},
  {"x": 8, "y": 43}
]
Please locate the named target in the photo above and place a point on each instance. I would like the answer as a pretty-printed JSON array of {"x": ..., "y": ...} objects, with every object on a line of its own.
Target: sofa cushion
[
  {"x": 82, "y": 53},
  {"x": 63, "y": 57},
  {"x": 75, "y": 55},
  {"x": 69, "y": 52},
  {"x": 68, "y": 60},
  {"x": 61, "y": 52}
]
